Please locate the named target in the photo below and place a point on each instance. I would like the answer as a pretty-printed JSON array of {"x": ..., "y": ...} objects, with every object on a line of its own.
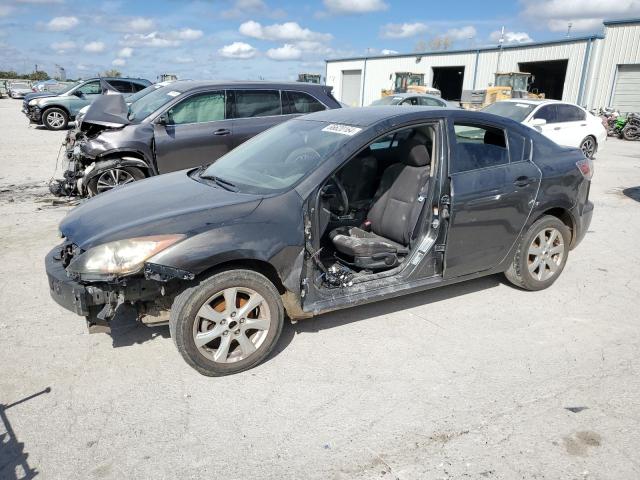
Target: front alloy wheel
[
  {"x": 112, "y": 178},
  {"x": 55, "y": 119},
  {"x": 227, "y": 323}
]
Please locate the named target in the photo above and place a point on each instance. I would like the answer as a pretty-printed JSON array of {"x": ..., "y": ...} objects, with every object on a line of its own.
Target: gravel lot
[{"x": 476, "y": 380}]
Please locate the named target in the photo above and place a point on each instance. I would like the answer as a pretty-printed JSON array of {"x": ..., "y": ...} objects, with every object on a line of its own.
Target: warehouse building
[{"x": 593, "y": 71}]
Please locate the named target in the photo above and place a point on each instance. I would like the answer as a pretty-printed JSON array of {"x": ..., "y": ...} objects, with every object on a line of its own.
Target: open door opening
[
  {"x": 449, "y": 81},
  {"x": 548, "y": 77}
]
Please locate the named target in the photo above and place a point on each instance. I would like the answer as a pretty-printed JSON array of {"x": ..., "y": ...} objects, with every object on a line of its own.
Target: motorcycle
[{"x": 631, "y": 129}]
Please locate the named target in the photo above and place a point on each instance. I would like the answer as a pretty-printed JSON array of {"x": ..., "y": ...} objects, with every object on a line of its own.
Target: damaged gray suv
[{"x": 185, "y": 124}]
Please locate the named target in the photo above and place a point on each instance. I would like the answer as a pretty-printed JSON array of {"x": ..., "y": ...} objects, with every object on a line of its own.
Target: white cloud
[
  {"x": 173, "y": 38},
  {"x": 61, "y": 47},
  {"x": 354, "y": 6},
  {"x": 386, "y": 51},
  {"x": 288, "y": 31},
  {"x": 183, "y": 59},
  {"x": 239, "y": 50},
  {"x": 403, "y": 30},
  {"x": 5, "y": 10},
  {"x": 592, "y": 24},
  {"x": 189, "y": 34},
  {"x": 511, "y": 37},
  {"x": 126, "y": 52},
  {"x": 462, "y": 33},
  {"x": 119, "y": 62},
  {"x": 59, "y": 24},
  {"x": 284, "y": 53},
  {"x": 39, "y": 2},
  {"x": 583, "y": 14},
  {"x": 94, "y": 47},
  {"x": 244, "y": 8},
  {"x": 140, "y": 24}
]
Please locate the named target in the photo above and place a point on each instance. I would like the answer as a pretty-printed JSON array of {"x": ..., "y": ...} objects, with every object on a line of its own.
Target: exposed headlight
[
  {"x": 122, "y": 257},
  {"x": 33, "y": 102}
]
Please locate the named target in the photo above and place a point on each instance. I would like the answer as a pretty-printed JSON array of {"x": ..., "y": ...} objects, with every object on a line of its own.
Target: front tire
[
  {"x": 227, "y": 323},
  {"x": 631, "y": 133},
  {"x": 112, "y": 178},
  {"x": 541, "y": 254},
  {"x": 55, "y": 119}
]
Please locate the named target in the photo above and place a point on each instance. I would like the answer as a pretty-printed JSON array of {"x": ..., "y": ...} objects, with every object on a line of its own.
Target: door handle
[
  {"x": 222, "y": 131},
  {"x": 557, "y": 128},
  {"x": 583, "y": 124},
  {"x": 522, "y": 181}
]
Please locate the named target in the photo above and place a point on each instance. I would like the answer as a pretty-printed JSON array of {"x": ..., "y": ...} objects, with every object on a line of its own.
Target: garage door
[
  {"x": 351, "y": 87},
  {"x": 626, "y": 94}
]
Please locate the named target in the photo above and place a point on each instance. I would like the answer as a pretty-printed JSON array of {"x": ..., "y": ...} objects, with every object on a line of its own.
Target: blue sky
[{"x": 270, "y": 39}]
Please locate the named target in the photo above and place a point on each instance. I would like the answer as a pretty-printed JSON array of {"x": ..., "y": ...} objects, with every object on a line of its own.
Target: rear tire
[
  {"x": 55, "y": 119},
  {"x": 631, "y": 133},
  {"x": 541, "y": 254},
  {"x": 215, "y": 328},
  {"x": 113, "y": 177},
  {"x": 589, "y": 147}
]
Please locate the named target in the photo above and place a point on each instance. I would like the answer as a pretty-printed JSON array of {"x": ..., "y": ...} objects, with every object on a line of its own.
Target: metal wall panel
[{"x": 626, "y": 93}]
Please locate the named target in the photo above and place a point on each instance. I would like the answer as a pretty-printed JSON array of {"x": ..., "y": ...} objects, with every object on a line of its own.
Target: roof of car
[
  {"x": 532, "y": 101},
  {"x": 185, "y": 85},
  {"x": 410, "y": 94}
]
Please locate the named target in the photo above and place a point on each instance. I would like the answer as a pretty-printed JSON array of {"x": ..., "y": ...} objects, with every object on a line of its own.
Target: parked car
[
  {"x": 55, "y": 111},
  {"x": 563, "y": 122},
  {"x": 18, "y": 89},
  {"x": 185, "y": 124},
  {"x": 323, "y": 212},
  {"x": 414, "y": 99}
]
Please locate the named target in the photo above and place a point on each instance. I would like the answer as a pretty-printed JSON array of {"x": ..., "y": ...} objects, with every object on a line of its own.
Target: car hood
[
  {"x": 33, "y": 95},
  {"x": 172, "y": 203},
  {"x": 109, "y": 111}
]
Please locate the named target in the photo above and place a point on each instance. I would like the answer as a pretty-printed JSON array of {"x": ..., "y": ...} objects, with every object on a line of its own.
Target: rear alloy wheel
[
  {"x": 541, "y": 255},
  {"x": 227, "y": 323},
  {"x": 113, "y": 177},
  {"x": 588, "y": 147},
  {"x": 55, "y": 119}
]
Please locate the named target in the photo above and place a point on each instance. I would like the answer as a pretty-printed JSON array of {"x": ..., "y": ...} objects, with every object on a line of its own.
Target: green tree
[
  {"x": 112, "y": 73},
  {"x": 39, "y": 75}
]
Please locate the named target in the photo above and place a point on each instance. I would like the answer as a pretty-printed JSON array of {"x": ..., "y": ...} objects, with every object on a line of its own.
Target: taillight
[{"x": 586, "y": 167}]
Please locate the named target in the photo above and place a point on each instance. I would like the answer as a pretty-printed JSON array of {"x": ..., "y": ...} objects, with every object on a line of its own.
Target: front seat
[
  {"x": 393, "y": 215},
  {"x": 358, "y": 178}
]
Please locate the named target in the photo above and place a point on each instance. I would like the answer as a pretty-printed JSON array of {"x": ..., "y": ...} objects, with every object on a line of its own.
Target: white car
[{"x": 563, "y": 122}]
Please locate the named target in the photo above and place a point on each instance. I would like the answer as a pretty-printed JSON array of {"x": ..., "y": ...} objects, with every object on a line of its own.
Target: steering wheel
[{"x": 344, "y": 198}]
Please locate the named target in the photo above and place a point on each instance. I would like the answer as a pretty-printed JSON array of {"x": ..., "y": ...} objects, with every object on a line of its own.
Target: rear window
[
  {"x": 478, "y": 146},
  {"x": 256, "y": 103},
  {"x": 570, "y": 113}
]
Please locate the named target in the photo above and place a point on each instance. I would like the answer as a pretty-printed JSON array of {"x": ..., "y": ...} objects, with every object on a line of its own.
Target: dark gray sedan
[{"x": 324, "y": 212}]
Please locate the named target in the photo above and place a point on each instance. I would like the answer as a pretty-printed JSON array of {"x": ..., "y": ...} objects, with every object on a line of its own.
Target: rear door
[
  {"x": 553, "y": 128},
  {"x": 493, "y": 189},
  {"x": 196, "y": 132},
  {"x": 573, "y": 123},
  {"x": 253, "y": 112}
]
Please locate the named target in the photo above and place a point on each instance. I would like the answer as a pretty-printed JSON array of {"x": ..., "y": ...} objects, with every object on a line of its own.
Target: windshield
[
  {"x": 388, "y": 100},
  {"x": 148, "y": 104},
  {"x": 514, "y": 110},
  {"x": 20, "y": 85},
  {"x": 277, "y": 159},
  {"x": 68, "y": 88},
  {"x": 142, "y": 93}
]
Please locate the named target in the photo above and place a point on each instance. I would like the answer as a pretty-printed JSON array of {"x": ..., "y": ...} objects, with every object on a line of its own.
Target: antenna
[
  {"x": 500, "y": 43},
  {"x": 569, "y": 29}
]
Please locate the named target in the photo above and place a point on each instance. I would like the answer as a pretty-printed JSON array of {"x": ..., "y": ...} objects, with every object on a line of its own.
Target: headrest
[
  {"x": 494, "y": 138},
  {"x": 416, "y": 154}
]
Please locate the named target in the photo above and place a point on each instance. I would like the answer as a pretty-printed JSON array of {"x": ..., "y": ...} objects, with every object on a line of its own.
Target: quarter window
[
  {"x": 299, "y": 102},
  {"x": 206, "y": 107},
  {"x": 257, "y": 103},
  {"x": 478, "y": 147}
]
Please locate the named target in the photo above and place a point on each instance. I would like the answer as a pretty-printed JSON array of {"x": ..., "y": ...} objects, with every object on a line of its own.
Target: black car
[
  {"x": 324, "y": 212},
  {"x": 182, "y": 125}
]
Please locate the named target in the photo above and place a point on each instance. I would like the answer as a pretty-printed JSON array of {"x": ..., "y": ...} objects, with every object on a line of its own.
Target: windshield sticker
[
  {"x": 173, "y": 93},
  {"x": 522, "y": 105},
  {"x": 341, "y": 129}
]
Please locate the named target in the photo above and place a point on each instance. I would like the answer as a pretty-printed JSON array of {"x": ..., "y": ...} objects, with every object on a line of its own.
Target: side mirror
[
  {"x": 78, "y": 93},
  {"x": 538, "y": 122},
  {"x": 163, "y": 119}
]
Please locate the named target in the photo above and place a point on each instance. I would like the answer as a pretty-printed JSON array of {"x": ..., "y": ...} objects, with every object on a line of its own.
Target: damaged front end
[
  {"x": 147, "y": 294},
  {"x": 84, "y": 144}
]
